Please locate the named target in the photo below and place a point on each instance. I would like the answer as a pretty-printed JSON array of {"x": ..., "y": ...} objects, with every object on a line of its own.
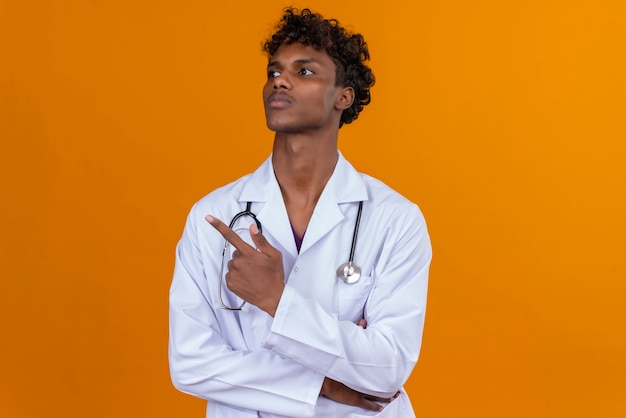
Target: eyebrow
[{"x": 298, "y": 61}]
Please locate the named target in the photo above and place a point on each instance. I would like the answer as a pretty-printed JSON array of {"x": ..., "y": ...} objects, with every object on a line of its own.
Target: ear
[{"x": 345, "y": 98}]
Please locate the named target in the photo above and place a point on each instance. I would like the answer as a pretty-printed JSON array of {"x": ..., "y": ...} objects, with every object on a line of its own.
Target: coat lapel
[{"x": 261, "y": 188}]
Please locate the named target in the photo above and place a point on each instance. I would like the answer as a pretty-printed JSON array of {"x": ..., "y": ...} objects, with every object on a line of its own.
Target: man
[{"x": 281, "y": 327}]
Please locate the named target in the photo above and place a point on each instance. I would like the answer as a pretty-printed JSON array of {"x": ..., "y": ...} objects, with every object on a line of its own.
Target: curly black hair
[{"x": 347, "y": 50}]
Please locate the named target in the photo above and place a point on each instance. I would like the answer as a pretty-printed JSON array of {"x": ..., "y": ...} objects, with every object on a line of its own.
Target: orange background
[{"x": 505, "y": 121}]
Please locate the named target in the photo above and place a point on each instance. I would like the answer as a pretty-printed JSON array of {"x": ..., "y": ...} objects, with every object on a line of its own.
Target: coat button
[{"x": 296, "y": 269}]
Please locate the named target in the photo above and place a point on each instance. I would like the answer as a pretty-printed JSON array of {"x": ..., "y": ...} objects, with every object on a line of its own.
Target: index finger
[{"x": 228, "y": 234}]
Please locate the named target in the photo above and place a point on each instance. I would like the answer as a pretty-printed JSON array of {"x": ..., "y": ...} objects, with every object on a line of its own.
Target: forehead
[{"x": 296, "y": 52}]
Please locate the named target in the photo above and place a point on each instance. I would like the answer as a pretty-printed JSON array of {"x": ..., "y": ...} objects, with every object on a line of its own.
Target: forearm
[
  {"x": 376, "y": 360},
  {"x": 258, "y": 381}
]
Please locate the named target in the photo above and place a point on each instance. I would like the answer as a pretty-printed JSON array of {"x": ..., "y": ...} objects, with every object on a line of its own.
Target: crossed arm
[{"x": 265, "y": 264}]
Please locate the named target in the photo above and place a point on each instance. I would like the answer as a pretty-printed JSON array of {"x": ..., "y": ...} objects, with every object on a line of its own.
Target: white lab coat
[{"x": 248, "y": 364}]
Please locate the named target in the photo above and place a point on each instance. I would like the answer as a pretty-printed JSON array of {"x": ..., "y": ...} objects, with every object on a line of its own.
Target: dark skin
[{"x": 303, "y": 106}]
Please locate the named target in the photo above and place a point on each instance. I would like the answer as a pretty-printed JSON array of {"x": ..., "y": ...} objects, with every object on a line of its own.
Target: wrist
[{"x": 271, "y": 305}]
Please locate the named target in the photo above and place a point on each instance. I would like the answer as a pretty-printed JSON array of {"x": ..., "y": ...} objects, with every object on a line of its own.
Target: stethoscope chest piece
[{"x": 349, "y": 272}]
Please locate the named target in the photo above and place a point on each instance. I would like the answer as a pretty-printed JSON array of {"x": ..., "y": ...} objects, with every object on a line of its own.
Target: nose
[{"x": 281, "y": 82}]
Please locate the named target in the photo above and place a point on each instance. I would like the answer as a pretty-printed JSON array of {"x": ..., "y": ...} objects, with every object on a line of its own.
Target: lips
[{"x": 278, "y": 101}]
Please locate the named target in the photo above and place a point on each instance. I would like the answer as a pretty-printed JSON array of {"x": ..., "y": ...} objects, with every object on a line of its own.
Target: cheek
[
  {"x": 330, "y": 101},
  {"x": 319, "y": 98},
  {"x": 331, "y": 96}
]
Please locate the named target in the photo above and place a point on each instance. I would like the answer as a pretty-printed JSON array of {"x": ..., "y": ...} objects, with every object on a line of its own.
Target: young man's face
[{"x": 300, "y": 93}]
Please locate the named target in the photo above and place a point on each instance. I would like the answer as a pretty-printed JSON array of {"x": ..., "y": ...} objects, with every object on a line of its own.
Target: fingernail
[
  {"x": 209, "y": 218},
  {"x": 254, "y": 229}
]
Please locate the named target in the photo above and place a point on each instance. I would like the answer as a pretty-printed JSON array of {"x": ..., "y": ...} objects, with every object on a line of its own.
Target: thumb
[{"x": 260, "y": 241}]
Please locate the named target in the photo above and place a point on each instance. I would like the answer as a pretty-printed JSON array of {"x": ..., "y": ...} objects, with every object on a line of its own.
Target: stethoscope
[{"x": 347, "y": 272}]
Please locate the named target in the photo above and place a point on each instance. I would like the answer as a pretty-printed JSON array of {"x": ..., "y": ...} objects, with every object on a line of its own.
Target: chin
[{"x": 278, "y": 126}]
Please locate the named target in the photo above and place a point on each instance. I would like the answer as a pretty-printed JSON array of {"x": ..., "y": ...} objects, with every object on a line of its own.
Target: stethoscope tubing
[
  {"x": 249, "y": 213},
  {"x": 243, "y": 213},
  {"x": 356, "y": 232}
]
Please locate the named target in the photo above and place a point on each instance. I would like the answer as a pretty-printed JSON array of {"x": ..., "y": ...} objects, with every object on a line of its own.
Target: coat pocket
[{"x": 351, "y": 298}]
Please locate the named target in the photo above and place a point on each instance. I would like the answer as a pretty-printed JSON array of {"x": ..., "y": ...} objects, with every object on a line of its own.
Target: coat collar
[{"x": 345, "y": 185}]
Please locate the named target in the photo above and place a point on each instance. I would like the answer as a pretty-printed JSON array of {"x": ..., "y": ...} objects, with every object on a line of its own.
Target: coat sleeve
[
  {"x": 204, "y": 365},
  {"x": 379, "y": 359}
]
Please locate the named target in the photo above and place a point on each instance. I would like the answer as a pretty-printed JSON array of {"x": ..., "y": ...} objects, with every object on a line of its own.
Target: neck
[{"x": 302, "y": 166}]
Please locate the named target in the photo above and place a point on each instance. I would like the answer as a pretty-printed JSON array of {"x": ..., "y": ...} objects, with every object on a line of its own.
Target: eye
[
  {"x": 273, "y": 73},
  {"x": 305, "y": 71}
]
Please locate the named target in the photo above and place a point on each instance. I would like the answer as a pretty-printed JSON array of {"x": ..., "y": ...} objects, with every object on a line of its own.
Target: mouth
[{"x": 278, "y": 101}]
